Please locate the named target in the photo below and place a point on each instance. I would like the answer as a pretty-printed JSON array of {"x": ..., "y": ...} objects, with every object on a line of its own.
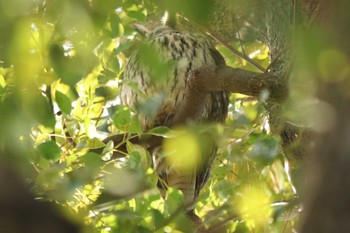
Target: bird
[{"x": 156, "y": 75}]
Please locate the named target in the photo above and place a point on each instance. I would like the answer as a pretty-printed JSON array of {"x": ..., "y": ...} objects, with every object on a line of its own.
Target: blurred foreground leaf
[{"x": 49, "y": 150}]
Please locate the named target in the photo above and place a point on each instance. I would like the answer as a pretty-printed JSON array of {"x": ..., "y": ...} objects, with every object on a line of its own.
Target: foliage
[{"x": 61, "y": 68}]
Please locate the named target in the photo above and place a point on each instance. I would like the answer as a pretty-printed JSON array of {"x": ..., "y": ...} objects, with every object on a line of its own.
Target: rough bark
[{"x": 224, "y": 78}]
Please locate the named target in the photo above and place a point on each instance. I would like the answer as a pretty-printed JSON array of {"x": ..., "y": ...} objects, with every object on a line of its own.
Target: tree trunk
[{"x": 327, "y": 202}]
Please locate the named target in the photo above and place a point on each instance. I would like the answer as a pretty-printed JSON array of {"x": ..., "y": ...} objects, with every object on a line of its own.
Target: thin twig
[
  {"x": 233, "y": 50},
  {"x": 227, "y": 45}
]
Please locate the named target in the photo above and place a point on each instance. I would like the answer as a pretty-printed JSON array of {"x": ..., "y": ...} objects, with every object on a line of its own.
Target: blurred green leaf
[
  {"x": 264, "y": 150},
  {"x": 134, "y": 160},
  {"x": 116, "y": 26},
  {"x": 242, "y": 228},
  {"x": 224, "y": 188},
  {"x": 122, "y": 47},
  {"x": 157, "y": 216},
  {"x": 49, "y": 150},
  {"x": 2, "y": 81},
  {"x": 137, "y": 14},
  {"x": 107, "y": 92},
  {"x": 92, "y": 160},
  {"x": 68, "y": 69},
  {"x": 149, "y": 57},
  {"x": 123, "y": 183},
  {"x": 122, "y": 116},
  {"x": 41, "y": 110},
  {"x": 71, "y": 64},
  {"x": 135, "y": 126},
  {"x": 197, "y": 10},
  {"x": 174, "y": 200}
]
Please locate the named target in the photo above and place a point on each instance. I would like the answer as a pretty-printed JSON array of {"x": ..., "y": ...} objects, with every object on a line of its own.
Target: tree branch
[{"x": 207, "y": 79}]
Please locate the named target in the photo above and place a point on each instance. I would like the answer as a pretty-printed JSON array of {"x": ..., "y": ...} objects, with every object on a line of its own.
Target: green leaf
[
  {"x": 122, "y": 116},
  {"x": 134, "y": 160},
  {"x": 264, "y": 151},
  {"x": 92, "y": 160},
  {"x": 135, "y": 126},
  {"x": 157, "y": 216},
  {"x": 138, "y": 157},
  {"x": 123, "y": 182},
  {"x": 174, "y": 200},
  {"x": 49, "y": 150},
  {"x": 95, "y": 143},
  {"x": 197, "y": 10},
  {"x": 71, "y": 69},
  {"x": 159, "y": 74},
  {"x": 242, "y": 228},
  {"x": 2, "y": 81},
  {"x": 159, "y": 131},
  {"x": 41, "y": 110},
  {"x": 109, "y": 147},
  {"x": 122, "y": 47},
  {"x": 63, "y": 102},
  {"x": 138, "y": 15},
  {"x": 107, "y": 92},
  {"x": 224, "y": 188},
  {"x": 117, "y": 27}
]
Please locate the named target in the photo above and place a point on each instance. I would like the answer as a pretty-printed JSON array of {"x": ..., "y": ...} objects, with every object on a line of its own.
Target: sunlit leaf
[
  {"x": 25, "y": 52},
  {"x": 2, "y": 81},
  {"x": 255, "y": 204},
  {"x": 95, "y": 143},
  {"x": 90, "y": 127},
  {"x": 183, "y": 152},
  {"x": 242, "y": 228}
]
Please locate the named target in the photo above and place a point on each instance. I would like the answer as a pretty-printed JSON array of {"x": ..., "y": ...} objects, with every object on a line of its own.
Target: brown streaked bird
[{"x": 156, "y": 74}]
